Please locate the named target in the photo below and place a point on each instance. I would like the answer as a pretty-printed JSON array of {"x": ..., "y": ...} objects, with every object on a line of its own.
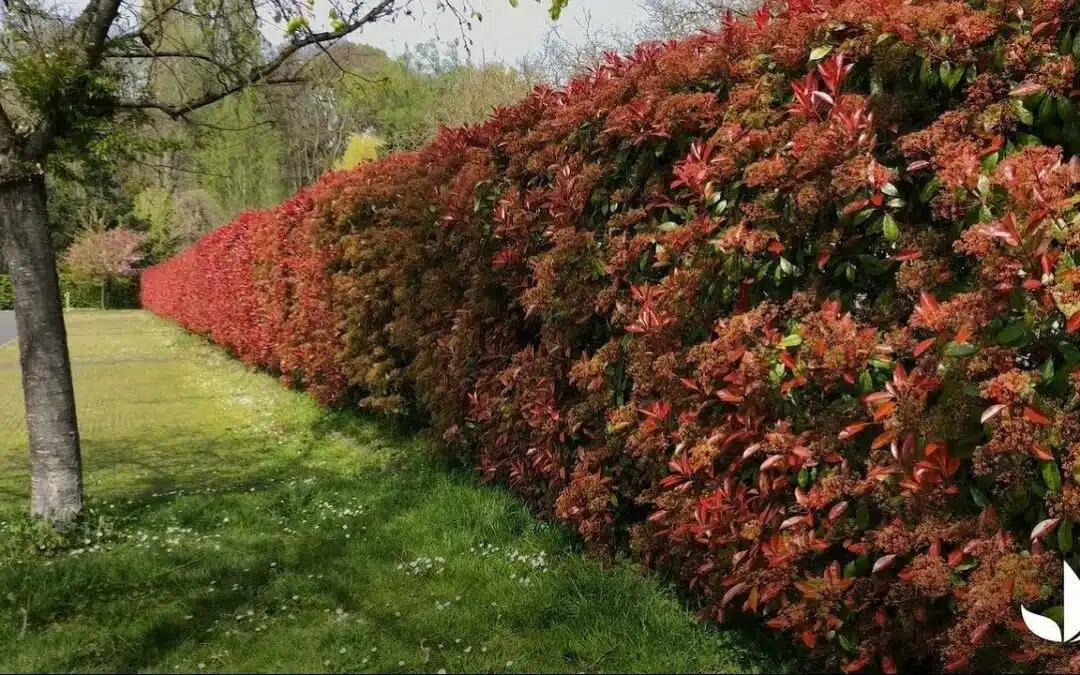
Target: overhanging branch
[{"x": 262, "y": 74}]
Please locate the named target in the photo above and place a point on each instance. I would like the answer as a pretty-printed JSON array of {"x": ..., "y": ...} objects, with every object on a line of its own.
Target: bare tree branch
[
  {"x": 261, "y": 74},
  {"x": 99, "y": 16},
  {"x": 163, "y": 54}
]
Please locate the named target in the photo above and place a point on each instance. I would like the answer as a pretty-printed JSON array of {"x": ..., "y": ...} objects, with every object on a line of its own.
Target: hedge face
[{"x": 797, "y": 332}]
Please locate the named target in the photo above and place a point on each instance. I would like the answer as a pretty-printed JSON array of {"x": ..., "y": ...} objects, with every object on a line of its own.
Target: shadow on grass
[{"x": 194, "y": 559}]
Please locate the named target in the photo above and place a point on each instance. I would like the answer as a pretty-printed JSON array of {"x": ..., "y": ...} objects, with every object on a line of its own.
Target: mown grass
[{"x": 234, "y": 526}]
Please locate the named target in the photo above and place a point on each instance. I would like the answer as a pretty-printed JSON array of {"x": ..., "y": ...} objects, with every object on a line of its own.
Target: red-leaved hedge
[{"x": 786, "y": 309}]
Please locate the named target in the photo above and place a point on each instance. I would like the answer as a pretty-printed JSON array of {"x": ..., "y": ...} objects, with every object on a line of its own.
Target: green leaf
[
  {"x": 964, "y": 349},
  {"x": 557, "y": 6},
  {"x": 862, "y": 215},
  {"x": 881, "y": 364},
  {"x": 804, "y": 478},
  {"x": 862, "y": 563},
  {"x": 1047, "y": 110},
  {"x": 1066, "y": 109},
  {"x": 1069, "y": 351},
  {"x": 818, "y": 53},
  {"x": 866, "y": 383},
  {"x": 1023, "y": 113},
  {"x": 979, "y": 498},
  {"x": 944, "y": 71},
  {"x": 929, "y": 190},
  {"x": 1013, "y": 333},
  {"x": 889, "y": 228},
  {"x": 953, "y": 76},
  {"x": 793, "y": 340},
  {"x": 927, "y": 75},
  {"x": 862, "y": 517},
  {"x": 1048, "y": 371},
  {"x": 1076, "y": 47},
  {"x": 1051, "y": 476},
  {"x": 1065, "y": 536},
  {"x": 845, "y": 641}
]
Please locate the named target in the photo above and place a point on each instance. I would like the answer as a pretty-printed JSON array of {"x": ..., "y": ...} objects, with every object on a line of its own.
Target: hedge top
[{"x": 787, "y": 309}]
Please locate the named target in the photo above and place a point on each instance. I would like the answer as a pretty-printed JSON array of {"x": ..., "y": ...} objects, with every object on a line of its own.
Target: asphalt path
[{"x": 7, "y": 327}]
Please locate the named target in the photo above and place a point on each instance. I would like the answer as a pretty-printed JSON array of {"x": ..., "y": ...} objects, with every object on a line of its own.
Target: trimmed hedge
[{"x": 785, "y": 309}]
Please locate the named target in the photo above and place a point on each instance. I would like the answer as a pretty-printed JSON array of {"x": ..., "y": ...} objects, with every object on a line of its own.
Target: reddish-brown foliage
[{"x": 797, "y": 333}]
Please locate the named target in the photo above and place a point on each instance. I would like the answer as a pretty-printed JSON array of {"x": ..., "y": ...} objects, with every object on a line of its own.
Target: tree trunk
[
  {"x": 103, "y": 294},
  {"x": 56, "y": 490}
]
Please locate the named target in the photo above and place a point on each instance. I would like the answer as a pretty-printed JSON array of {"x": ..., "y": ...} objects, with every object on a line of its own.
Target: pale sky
[{"x": 506, "y": 33}]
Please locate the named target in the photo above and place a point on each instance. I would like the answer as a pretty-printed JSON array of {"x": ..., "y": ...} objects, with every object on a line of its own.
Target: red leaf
[
  {"x": 791, "y": 522},
  {"x": 1042, "y": 453},
  {"x": 772, "y": 461},
  {"x": 908, "y": 254},
  {"x": 884, "y": 411},
  {"x": 854, "y": 206},
  {"x": 732, "y": 592},
  {"x": 1026, "y": 88},
  {"x": 1044, "y": 528},
  {"x": 884, "y": 562},
  {"x": 1073, "y": 323},
  {"x": 857, "y": 665},
  {"x": 883, "y": 439},
  {"x": 923, "y": 346},
  {"x": 852, "y": 429},
  {"x": 991, "y": 412},
  {"x": 1033, "y": 415},
  {"x": 1025, "y": 656},
  {"x": 929, "y": 302}
]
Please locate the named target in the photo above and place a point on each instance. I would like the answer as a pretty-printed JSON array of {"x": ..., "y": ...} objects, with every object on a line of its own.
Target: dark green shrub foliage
[
  {"x": 82, "y": 293},
  {"x": 786, "y": 309},
  {"x": 78, "y": 293},
  {"x": 7, "y": 300}
]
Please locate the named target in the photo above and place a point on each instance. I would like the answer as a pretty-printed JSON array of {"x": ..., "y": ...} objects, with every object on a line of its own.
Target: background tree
[
  {"x": 361, "y": 148},
  {"x": 72, "y": 80},
  {"x": 102, "y": 255},
  {"x": 557, "y": 58},
  {"x": 154, "y": 207}
]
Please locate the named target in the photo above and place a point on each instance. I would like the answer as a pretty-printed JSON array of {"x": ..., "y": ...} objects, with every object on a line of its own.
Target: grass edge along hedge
[{"x": 785, "y": 309}]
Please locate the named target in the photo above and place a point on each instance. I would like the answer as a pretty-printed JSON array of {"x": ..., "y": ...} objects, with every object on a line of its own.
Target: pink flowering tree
[{"x": 103, "y": 255}]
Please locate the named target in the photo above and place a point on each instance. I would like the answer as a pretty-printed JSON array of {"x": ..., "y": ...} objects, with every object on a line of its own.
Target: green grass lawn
[{"x": 233, "y": 526}]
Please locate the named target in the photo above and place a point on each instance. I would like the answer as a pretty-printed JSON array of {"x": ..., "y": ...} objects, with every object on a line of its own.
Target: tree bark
[{"x": 56, "y": 489}]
